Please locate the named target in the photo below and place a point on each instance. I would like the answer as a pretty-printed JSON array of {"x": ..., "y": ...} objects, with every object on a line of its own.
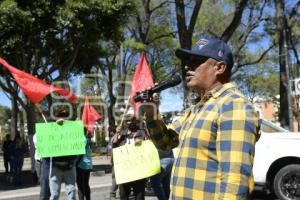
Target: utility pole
[{"x": 286, "y": 57}]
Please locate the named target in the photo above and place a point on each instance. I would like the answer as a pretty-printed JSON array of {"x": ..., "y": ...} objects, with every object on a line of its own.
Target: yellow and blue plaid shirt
[{"x": 216, "y": 150}]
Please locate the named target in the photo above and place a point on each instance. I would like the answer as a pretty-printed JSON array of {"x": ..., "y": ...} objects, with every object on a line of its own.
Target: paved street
[{"x": 100, "y": 183}]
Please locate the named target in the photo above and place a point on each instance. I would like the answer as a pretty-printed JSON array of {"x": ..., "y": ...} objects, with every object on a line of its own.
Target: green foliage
[
  {"x": 5, "y": 114},
  {"x": 134, "y": 45},
  {"x": 260, "y": 81},
  {"x": 42, "y": 33}
]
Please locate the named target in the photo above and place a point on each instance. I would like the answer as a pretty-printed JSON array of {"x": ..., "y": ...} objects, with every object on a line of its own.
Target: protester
[
  {"x": 6, "y": 153},
  {"x": 134, "y": 134},
  {"x": 217, "y": 134},
  {"x": 42, "y": 168},
  {"x": 63, "y": 169},
  {"x": 83, "y": 169},
  {"x": 17, "y": 159}
]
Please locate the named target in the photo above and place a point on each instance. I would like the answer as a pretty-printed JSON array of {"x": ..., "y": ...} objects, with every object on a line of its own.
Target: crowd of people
[
  {"x": 13, "y": 157},
  {"x": 215, "y": 139}
]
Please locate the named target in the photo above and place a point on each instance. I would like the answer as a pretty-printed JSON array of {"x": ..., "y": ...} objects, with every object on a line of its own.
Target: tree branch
[
  {"x": 194, "y": 16},
  {"x": 294, "y": 10},
  {"x": 258, "y": 60},
  {"x": 235, "y": 21},
  {"x": 162, "y": 36},
  {"x": 159, "y": 6}
]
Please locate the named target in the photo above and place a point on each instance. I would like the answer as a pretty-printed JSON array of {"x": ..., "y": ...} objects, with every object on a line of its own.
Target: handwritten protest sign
[
  {"x": 134, "y": 162},
  {"x": 60, "y": 140}
]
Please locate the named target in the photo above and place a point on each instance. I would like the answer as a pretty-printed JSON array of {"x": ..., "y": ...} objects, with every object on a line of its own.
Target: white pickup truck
[{"x": 277, "y": 161}]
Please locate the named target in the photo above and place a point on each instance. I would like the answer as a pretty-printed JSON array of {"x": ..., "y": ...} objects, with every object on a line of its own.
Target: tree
[
  {"x": 260, "y": 81},
  {"x": 55, "y": 39},
  {"x": 149, "y": 30},
  {"x": 287, "y": 39},
  {"x": 43, "y": 37}
]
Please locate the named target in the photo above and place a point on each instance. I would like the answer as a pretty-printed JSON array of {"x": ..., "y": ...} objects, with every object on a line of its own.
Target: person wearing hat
[{"x": 217, "y": 135}]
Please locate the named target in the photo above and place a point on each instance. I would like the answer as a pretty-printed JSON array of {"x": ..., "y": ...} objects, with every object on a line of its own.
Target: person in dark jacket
[
  {"x": 17, "y": 159},
  {"x": 6, "y": 153}
]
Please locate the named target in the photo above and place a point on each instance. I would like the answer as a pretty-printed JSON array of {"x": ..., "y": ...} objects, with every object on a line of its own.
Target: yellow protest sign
[{"x": 134, "y": 162}]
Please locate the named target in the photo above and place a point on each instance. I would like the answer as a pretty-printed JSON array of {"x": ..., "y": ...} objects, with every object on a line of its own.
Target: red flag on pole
[
  {"x": 89, "y": 115},
  {"x": 34, "y": 88},
  {"x": 142, "y": 79}
]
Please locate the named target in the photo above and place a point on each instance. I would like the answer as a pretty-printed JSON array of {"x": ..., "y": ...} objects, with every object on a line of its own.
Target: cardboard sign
[
  {"x": 60, "y": 140},
  {"x": 134, "y": 162}
]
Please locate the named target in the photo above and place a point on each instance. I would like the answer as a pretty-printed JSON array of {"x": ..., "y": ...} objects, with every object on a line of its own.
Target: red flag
[
  {"x": 34, "y": 88},
  {"x": 142, "y": 79},
  {"x": 89, "y": 115}
]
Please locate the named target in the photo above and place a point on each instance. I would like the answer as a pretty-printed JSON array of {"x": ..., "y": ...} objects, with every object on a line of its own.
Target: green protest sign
[{"x": 60, "y": 140}]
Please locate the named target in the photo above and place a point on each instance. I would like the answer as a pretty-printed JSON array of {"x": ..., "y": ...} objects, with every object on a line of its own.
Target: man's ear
[{"x": 220, "y": 68}]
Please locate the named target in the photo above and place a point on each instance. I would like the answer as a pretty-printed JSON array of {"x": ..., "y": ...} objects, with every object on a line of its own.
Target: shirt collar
[{"x": 215, "y": 93}]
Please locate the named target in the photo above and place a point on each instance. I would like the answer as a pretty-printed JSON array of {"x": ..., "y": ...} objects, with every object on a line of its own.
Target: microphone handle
[{"x": 148, "y": 93}]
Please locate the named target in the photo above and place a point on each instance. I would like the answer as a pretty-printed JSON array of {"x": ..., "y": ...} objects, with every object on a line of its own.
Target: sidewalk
[{"x": 100, "y": 179}]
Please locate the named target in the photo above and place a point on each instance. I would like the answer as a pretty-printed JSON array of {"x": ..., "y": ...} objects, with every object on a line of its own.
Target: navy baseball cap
[{"x": 210, "y": 48}]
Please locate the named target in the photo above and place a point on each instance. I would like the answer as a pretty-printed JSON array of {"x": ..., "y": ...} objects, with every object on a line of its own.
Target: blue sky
[{"x": 4, "y": 100}]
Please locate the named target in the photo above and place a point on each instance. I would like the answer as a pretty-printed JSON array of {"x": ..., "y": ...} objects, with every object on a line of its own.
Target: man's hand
[
  {"x": 116, "y": 137},
  {"x": 150, "y": 108},
  {"x": 60, "y": 121}
]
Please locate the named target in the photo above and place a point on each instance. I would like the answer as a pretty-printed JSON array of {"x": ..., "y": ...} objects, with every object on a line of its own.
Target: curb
[{"x": 35, "y": 194}]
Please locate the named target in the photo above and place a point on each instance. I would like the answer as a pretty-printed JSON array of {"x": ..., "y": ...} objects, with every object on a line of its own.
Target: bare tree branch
[
  {"x": 160, "y": 6},
  {"x": 257, "y": 60},
  {"x": 294, "y": 10},
  {"x": 235, "y": 21},
  {"x": 194, "y": 16},
  {"x": 173, "y": 34}
]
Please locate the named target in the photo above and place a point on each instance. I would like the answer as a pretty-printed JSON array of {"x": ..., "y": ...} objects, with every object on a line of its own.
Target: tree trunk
[
  {"x": 283, "y": 109},
  {"x": 30, "y": 114},
  {"x": 14, "y": 117},
  {"x": 111, "y": 119}
]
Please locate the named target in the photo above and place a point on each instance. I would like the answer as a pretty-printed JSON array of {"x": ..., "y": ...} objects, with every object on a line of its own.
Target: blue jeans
[
  {"x": 44, "y": 179},
  {"x": 161, "y": 182},
  {"x": 17, "y": 164},
  {"x": 57, "y": 176}
]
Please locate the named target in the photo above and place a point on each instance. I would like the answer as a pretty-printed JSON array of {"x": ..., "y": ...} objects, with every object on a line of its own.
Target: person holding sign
[
  {"x": 63, "y": 169},
  {"x": 134, "y": 134},
  {"x": 217, "y": 135}
]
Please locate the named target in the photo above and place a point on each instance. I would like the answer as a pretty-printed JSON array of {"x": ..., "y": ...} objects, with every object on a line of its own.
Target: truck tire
[{"x": 286, "y": 183}]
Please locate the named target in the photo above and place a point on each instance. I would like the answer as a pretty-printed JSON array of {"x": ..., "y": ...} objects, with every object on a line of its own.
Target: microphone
[{"x": 140, "y": 96}]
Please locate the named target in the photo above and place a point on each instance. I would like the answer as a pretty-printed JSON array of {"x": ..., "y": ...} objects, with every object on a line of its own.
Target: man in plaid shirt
[{"x": 217, "y": 135}]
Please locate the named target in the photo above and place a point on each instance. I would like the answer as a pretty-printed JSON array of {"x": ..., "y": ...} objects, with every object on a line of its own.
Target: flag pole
[
  {"x": 40, "y": 110},
  {"x": 125, "y": 111}
]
